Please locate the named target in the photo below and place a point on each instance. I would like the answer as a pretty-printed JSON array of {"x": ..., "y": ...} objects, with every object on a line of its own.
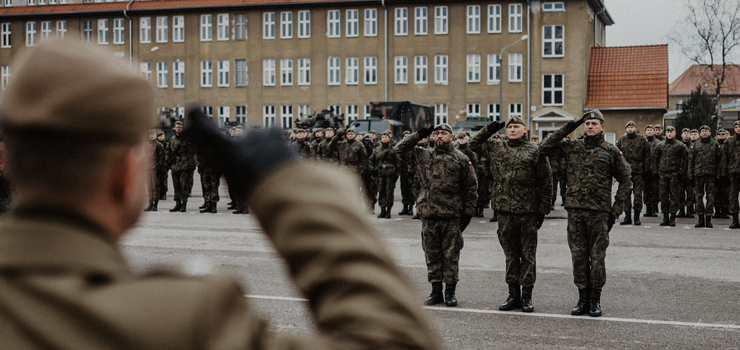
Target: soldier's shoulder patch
[{"x": 621, "y": 153}]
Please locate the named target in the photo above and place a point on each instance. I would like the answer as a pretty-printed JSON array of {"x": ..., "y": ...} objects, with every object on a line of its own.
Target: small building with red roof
[{"x": 701, "y": 75}]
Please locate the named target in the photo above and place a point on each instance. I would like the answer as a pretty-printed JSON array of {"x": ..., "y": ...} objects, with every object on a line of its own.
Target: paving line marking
[{"x": 569, "y": 317}]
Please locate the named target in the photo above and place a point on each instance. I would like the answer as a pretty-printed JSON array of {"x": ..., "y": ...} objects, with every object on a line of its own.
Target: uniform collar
[
  {"x": 594, "y": 140},
  {"x": 516, "y": 142},
  {"x": 443, "y": 148}
]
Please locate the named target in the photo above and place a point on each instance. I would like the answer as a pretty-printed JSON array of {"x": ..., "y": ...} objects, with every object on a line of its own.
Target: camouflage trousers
[
  {"x": 517, "y": 234},
  {"x": 210, "y": 181},
  {"x": 558, "y": 179},
  {"x": 637, "y": 185},
  {"x": 588, "y": 238},
  {"x": 182, "y": 181},
  {"x": 152, "y": 186},
  {"x": 370, "y": 189},
  {"x": 686, "y": 194},
  {"x": 734, "y": 190},
  {"x": 721, "y": 197},
  {"x": 407, "y": 195},
  {"x": 704, "y": 185},
  {"x": 442, "y": 241},
  {"x": 670, "y": 190},
  {"x": 650, "y": 188},
  {"x": 484, "y": 192},
  {"x": 162, "y": 173},
  {"x": 386, "y": 186}
]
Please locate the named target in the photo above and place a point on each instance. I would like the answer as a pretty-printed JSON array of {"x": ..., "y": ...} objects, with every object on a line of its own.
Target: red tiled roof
[
  {"x": 628, "y": 77},
  {"x": 696, "y": 74}
]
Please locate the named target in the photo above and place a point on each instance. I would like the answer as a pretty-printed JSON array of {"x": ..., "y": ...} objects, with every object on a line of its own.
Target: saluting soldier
[
  {"x": 181, "y": 157},
  {"x": 318, "y": 136},
  {"x": 636, "y": 152},
  {"x": 324, "y": 151},
  {"x": 721, "y": 196},
  {"x": 686, "y": 191},
  {"x": 731, "y": 169},
  {"x": 704, "y": 169},
  {"x": 385, "y": 169},
  {"x": 521, "y": 196},
  {"x": 651, "y": 180},
  {"x": 670, "y": 162},
  {"x": 407, "y": 183},
  {"x": 301, "y": 145}
]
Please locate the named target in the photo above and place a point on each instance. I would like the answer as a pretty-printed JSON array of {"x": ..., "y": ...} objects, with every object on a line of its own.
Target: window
[
  {"x": 268, "y": 72},
  {"x": 286, "y": 25},
  {"x": 553, "y": 7},
  {"x": 353, "y": 112},
  {"x": 473, "y": 26},
  {"x": 304, "y": 24},
  {"x": 223, "y": 73},
  {"x": 4, "y": 76},
  {"x": 268, "y": 25},
  {"x": 440, "y": 113},
  {"x": 353, "y": 71},
  {"x": 402, "y": 64},
  {"x": 420, "y": 21},
  {"x": 440, "y": 69},
  {"x": 473, "y": 68},
  {"x": 162, "y": 74},
  {"x": 473, "y": 110},
  {"x": 371, "y": 22},
  {"x": 552, "y": 41},
  {"x": 304, "y": 110},
  {"x": 353, "y": 23},
  {"x": 371, "y": 70},
  {"x": 286, "y": 116},
  {"x": 31, "y": 2},
  {"x": 206, "y": 28},
  {"x": 440, "y": 20},
  {"x": 515, "y": 18},
  {"x": 208, "y": 111},
  {"x": 222, "y": 27},
  {"x": 332, "y": 71},
  {"x": 162, "y": 30},
  {"x": 402, "y": 21},
  {"x": 240, "y": 74},
  {"x": 206, "y": 74},
  {"x": 145, "y": 30},
  {"x": 494, "y": 111},
  {"x": 286, "y": 71},
  {"x": 240, "y": 28},
  {"x": 332, "y": 24},
  {"x": 420, "y": 69},
  {"x": 5, "y": 33},
  {"x": 224, "y": 114},
  {"x": 178, "y": 74},
  {"x": 367, "y": 111},
  {"x": 87, "y": 31},
  {"x": 552, "y": 90},
  {"x": 494, "y": 18},
  {"x": 241, "y": 114},
  {"x": 61, "y": 29},
  {"x": 515, "y": 109},
  {"x": 8, "y": 3},
  {"x": 118, "y": 31},
  {"x": 30, "y": 33},
  {"x": 178, "y": 29},
  {"x": 45, "y": 30},
  {"x": 336, "y": 108},
  {"x": 494, "y": 69},
  {"x": 268, "y": 116},
  {"x": 146, "y": 69},
  {"x": 304, "y": 71},
  {"x": 515, "y": 67}
]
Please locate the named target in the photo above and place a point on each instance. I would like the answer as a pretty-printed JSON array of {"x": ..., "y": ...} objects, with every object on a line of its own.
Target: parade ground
[{"x": 667, "y": 287}]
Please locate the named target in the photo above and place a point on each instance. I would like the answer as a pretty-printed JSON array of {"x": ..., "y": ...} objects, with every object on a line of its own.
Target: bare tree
[{"x": 708, "y": 36}]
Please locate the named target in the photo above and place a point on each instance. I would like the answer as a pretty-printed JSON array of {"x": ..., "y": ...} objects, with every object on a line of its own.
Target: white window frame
[
  {"x": 473, "y": 68},
  {"x": 402, "y": 21},
  {"x": 401, "y": 69},
  {"x": 240, "y": 26},
  {"x": 222, "y": 27},
  {"x": 223, "y": 73},
  {"x": 473, "y": 19},
  {"x": 421, "y": 24},
  {"x": 30, "y": 33},
  {"x": 494, "y": 111},
  {"x": 352, "y": 75},
  {"x": 515, "y": 18},
  {"x": 240, "y": 112},
  {"x": 162, "y": 74},
  {"x": 178, "y": 29},
  {"x": 9, "y": 3},
  {"x": 552, "y": 40},
  {"x": 304, "y": 24},
  {"x": 5, "y": 33},
  {"x": 162, "y": 29},
  {"x": 268, "y": 72},
  {"x": 333, "y": 75},
  {"x": 178, "y": 75},
  {"x": 87, "y": 30},
  {"x": 371, "y": 70},
  {"x": 268, "y": 25},
  {"x": 241, "y": 77},
  {"x": 208, "y": 111},
  {"x": 146, "y": 69},
  {"x": 494, "y": 18},
  {"x": 371, "y": 22},
  {"x": 558, "y": 6},
  {"x": 304, "y": 71},
  {"x": 286, "y": 72},
  {"x": 494, "y": 69},
  {"x": 286, "y": 116},
  {"x": 118, "y": 31},
  {"x": 441, "y": 69},
  {"x": 61, "y": 28},
  {"x": 353, "y": 112},
  {"x": 206, "y": 74},
  {"x": 286, "y": 25},
  {"x": 304, "y": 110},
  {"x": 224, "y": 114},
  {"x": 206, "y": 28},
  {"x": 268, "y": 116},
  {"x": 45, "y": 30},
  {"x": 441, "y": 113},
  {"x": 515, "y": 109},
  {"x": 336, "y": 108},
  {"x": 4, "y": 77},
  {"x": 421, "y": 74},
  {"x": 333, "y": 24},
  {"x": 352, "y": 18},
  {"x": 367, "y": 111},
  {"x": 473, "y": 110},
  {"x": 552, "y": 90},
  {"x": 515, "y": 68},
  {"x": 145, "y": 30},
  {"x": 441, "y": 22}
]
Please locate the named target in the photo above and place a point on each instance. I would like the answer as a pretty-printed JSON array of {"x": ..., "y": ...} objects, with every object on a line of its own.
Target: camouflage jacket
[
  {"x": 159, "y": 155},
  {"x": 352, "y": 153},
  {"x": 465, "y": 149},
  {"x": 590, "y": 165},
  {"x": 522, "y": 181},
  {"x": 653, "y": 142},
  {"x": 385, "y": 160},
  {"x": 315, "y": 146},
  {"x": 448, "y": 187},
  {"x": 670, "y": 156},
  {"x": 705, "y": 158},
  {"x": 180, "y": 154},
  {"x": 303, "y": 148},
  {"x": 731, "y": 156},
  {"x": 327, "y": 153},
  {"x": 636, "y": 151}
]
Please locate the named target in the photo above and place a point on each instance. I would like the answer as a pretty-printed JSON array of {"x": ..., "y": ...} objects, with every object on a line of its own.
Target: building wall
[{"x": 615, "y": 120}]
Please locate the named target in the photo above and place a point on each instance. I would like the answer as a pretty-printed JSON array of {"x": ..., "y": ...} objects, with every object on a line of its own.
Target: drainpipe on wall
[
  {"x": 130, "y": 30},
  {"x": 385, "y": 51},
  {"x": 529, "y": 67},
  {"x": 596, "y": 21}
]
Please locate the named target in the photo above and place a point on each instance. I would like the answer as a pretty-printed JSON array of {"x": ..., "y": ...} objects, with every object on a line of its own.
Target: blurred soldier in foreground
[
  {"x": 731, "y": 169},
  {"x": 522, "y": 197},
  {"x": 704, "y": 169},
  {"x": 446, "y": 203},
  {"x": 670, "y": 161},
  {"x": 66, "y": 285},
  {"x": 6, "y": 191},
  {"x": 636, "y": 151},
  {"x": 591, "y": 164}
]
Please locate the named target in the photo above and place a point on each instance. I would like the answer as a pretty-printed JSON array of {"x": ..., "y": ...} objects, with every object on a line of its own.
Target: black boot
[
  {"x": 163, "y": 197},
  {"x": 690, "y": 212},
  {"x": 672, "y": 221},
  {"x": 665, "y": 221},
  {"x": 414, "y": 216},
  {"x": 205, "y": 205},
  {"x": 450, "y": 299},
  {"x": 479, "y": 213},
  {"x": 206, "y": 208},
  {"x": 725, "y": 211},
  {"x": 627, "y": 219},
  {"x": 388, "y": 212},
  {"x": 527, "y": 299},
  {"x": 637, "y": 218},
  {"x": 709, "y": 222},
  {"x": 436, "y": 296},
  {"x": 734, "y": 223},
  {"x": 494, "y": 218},
  {"x": 382, "y": 213},
  {"x": 514, "y": 301},
  {"x": 595, "y": 310},
  {"x": 681, "y": 213},
  {"x": 231, "y": 206},
  {"x": 184, "y": 206},
  {"x": 154, "y": 205},
  {"x": 238, "y": 210},
  {"x": 405, "y": 210},
  {"x": 701, "y": 222},
  {"x": 583, "y": 303},
  {"x": 178, "y": 204},
  {"x": 717, "y": 213},
  {"x": 149, "y": 206},
  {"x": 655, "y": 211}
]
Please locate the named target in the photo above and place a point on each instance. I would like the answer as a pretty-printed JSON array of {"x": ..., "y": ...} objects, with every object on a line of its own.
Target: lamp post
[
  {"x": 501, "y": 80},
  {"x": 150, "y": 51}
]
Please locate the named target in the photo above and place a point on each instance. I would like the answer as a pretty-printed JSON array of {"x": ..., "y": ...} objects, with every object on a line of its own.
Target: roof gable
[{"x": 701, "y": 75}]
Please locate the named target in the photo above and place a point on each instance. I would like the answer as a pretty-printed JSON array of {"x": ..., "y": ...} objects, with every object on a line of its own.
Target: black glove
[
  {"x": 610, "y": 222},
  {"x": 340, "y": 134},
  {"x": 495, "y": 126},
  {"x": 464, "y": 221},
  {"x": 424, "y": 132},
  {"x": 540, "y": 218},
  {"x": 574, "y": 124},
  {"x": 245, "y": 160}
]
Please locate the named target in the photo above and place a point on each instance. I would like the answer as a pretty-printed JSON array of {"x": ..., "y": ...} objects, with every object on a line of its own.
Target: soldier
[
  {"x": 181, "y": 158},
  {"x": 366, "y": 173},
  {"x": 318, "y": 136},
  {"x": 722, "y": 197},
  {"x": 521, "y": 196},
  {"x": 686, "y": 188},
  {"x": 328, "y": 154},
  {"x": 694, "y": 135},
  {"x": 210, "y": 180},
  {"x": 535, "y": 140},
  {"x": 659, "y": 132},
  {"x": 636, "y": 151},
  {"x": 731, "y": 169},
  {"x": 159, "y": 159},
  {"x": 703, "y": 170},
  {"x": 651, "y": 180},
  {"x": 385, "y": 169},
  {"x": 446, "y": 204},
  {"x": 591, "y": 163},
  {"x": 300, "y": 144},
  {"x": 162, "y": 169},
  {"x": 462, "y": 145},
  {"x": 670, "y": 162},
  {"x": 407, "y": 183},
  {"x": 352, "y": 153}
]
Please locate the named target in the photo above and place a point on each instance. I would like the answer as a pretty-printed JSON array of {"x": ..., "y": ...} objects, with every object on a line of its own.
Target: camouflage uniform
[
  {"x": 352, "y": 153},
  {"x": 731, "y": 169},
  {"x": 327, "y": 153},
  {"x": 686, "y": 191},
  {"x": 448, "y": 188},
  {"x": 703, "y": 169},
  {"x": 407, "y": 180},
  {"x": 304, "y": 148},
  {"x": 385, "y": 162},
  {"x": 522, "y": 190},
  {"x": 162, "y": 171},
  {"x": 670, "y": 161},
  {"x": 722, "y": 197},
  {"x": 485, "y": 181},
  {"x": 181, "y": 157},
  {"x": 210, "y": 180},
  {"x": 651, "y": 190},
  {"x": 159, "y": 159},
  {"x": 636, "y": 151}
]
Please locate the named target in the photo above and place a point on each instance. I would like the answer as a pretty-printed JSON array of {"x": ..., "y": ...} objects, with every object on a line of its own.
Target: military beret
[
  {"x": 239, "y": 127},
  {"x": 694, "y": 131},
  {"x": 515, "y": 119},
  {"x": 406, "y": 133},
  {"x": 349, "y": 130},
  {"x": 737, "y": 122},
  {"x": 535, "y": 138},
  {"x": 160, "y": 133},
  {"x": 670, "y": 128},
  {"x": 461, "y": 134},
  {"x": 630, "y": 123},
  {"x": 72, "y": 88},
  {"x": 649, "y": 126},
  {"x": 685, "y": 130},
  {"x": 373, "y": 132},
  {"x": 387, "y": 133},
  {"x": 594, "y": 114},
  {"x": 705, "y": 127},
  {"x": 178, "y": 123},
  {"x": 658, "y": 126},
  {"x": 443, "y": 126}
]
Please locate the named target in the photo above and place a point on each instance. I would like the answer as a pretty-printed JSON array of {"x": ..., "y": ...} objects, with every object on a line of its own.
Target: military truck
[
  {"x": 472, "y": 125},
  {"x": 323, "y": 119},
  {"x": 363, "y": 126},
  {"x": 402, "y": 116}
]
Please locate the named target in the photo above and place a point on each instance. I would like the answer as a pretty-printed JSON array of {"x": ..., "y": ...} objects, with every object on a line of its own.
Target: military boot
[
  {"x": 178, "y": 204},
  {"x": 583, "y": 304},
  {"x": 184, "y": 206},
  {"x": 595, "y": 310},
  {"x": 231, "y": 206},
  {"x": 701, "y": 222},
  {"x": 387, "y": 212},
  {"x": 690, "y": 212},
  {"x": 149, "y": 206},
  {"x": 436, "y": 296},
  {"x": 717, "y": 213},
  {"x": 514, "y": 301},
  {"x": 654, "y": 211},
  {"x": 637, "y": 218},
  {"x": 479, "y": 212},
  {"x": 734, "y": 223},
  {"x": 709, "y": 222},
  {"x": 527, "y": 299},
  {"x": 450, "y": 299},
  {"x": 665, "y": 221},
  {"x": 206, "y": 208},
  {"x": 725, "y": 211},
  {"x": 681, "y": 213},
  {"x": 672, "y": 220},
  {"x": 238, "y": 210},
  {"x": 627, "y": 219},
  {"x": 163, "y": 197},
  {"x": 494, "y": 218},
  {"x": 382, "y": 213},
  {"x": 405, "y": 210},
  {"x": 205, "y": 205},
  {"x": 154, "y": 205}
]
